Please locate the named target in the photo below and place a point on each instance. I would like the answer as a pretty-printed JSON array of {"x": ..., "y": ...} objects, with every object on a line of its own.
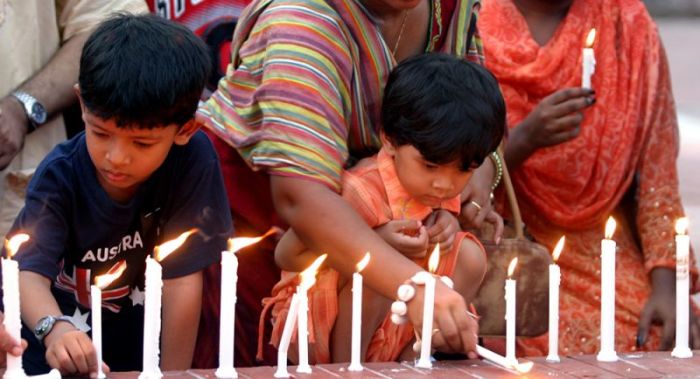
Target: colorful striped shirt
[{"x": 303, "y": 92}]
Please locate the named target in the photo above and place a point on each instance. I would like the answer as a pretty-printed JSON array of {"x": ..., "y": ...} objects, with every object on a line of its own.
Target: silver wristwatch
[
  {"x": 36, "y": 113},
  {"x": 45, "y": 324}
]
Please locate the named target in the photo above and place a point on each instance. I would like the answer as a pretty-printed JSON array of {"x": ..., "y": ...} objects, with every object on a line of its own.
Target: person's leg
[
  {"x": 469, "y": 269},
  {"x": 374, "y": 310}
]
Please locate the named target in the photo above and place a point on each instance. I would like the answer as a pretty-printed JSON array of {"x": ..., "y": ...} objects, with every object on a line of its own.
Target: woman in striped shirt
[{"x": 300, "y": 101}]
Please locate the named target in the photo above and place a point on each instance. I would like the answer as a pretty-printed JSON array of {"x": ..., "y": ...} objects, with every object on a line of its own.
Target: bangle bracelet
[{"x": 498, "y": 163}]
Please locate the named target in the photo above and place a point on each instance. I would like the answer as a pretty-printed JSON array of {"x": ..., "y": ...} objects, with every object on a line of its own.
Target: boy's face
[
  {"x": 427, "y": 182},
  {"x": 125, "y": 157}
]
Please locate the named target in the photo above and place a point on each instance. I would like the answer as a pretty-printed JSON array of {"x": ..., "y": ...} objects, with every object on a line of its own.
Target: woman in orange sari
[{"x": 579, "y": 155}]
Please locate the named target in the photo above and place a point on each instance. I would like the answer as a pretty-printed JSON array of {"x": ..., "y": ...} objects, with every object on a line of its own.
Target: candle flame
[
  {"x": 102, "y": 281},
  {"x": 162, "y": 251},
  {"x": 308, "y": 276},
  {"x": 363, "y": 262},
  {"x": 434, "y": 259},
  {"x": 610, "y": 228},
  {"x": 238, "y": 243},
  {"x": 590, "y": 38},
  {"x": 682, "y": 226},
  {"x": 13, "y": 244},
  {"x": 558, "y": 248},
  {"x": 511, "y": 266}
]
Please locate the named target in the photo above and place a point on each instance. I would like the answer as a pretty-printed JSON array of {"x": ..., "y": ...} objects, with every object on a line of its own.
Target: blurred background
[{"x": 679, "y": 26}]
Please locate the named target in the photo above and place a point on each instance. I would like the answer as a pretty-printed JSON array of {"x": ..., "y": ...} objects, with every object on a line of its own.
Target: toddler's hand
[
  {"x": 71, "y": 351},
  {"x": 442, "y": 228},
  {"x": 409, "y": 237}
]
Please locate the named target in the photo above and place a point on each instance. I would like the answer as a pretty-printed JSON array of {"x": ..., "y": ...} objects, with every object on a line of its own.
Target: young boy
[
  {"x": 138, "y": 176},
  {"x": 441, "y": 117}
]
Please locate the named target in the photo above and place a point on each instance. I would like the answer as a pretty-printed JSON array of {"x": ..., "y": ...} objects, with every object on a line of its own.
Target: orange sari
[{"x": 628, "y": 140}]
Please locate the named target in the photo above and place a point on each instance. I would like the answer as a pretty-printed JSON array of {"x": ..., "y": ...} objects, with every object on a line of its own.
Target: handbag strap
[{"x": 512, "y": 200}]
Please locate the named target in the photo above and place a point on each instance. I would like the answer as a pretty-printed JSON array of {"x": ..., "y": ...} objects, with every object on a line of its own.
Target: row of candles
[{"x": 298, "y": 313}]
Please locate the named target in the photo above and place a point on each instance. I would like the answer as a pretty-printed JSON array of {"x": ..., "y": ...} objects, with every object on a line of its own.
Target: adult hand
[
  {"x": 71, "y": 351},
  {"x": 556, "y": 119},
  {"x": 442, "y": 228},
  {"x": 8, "y": 344},
  {"x": 13, "y": 129},
  {"x": 409, "y": 237},
  {"x": 660, "y": 308},
  {"x": 476, "y": 201},
  {"x": 454, "y": 330}
]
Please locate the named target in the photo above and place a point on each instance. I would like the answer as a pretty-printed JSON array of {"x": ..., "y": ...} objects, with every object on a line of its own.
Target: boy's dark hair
[
  {"x": 447, "y": 108},
  {"x": 144, "y": 71}
]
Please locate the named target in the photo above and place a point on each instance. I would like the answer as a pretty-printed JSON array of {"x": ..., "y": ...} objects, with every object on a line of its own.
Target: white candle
[
  {"x": 10, "y": 298},
  {"x": 152, "y": 307},
  {"x": 607, "y": 297},
  {"x": 428, "y": 311},
  {"x": 521, "y": 368},
  {"x": 151, "y": 326},
  {"x": 286, "y": 338},
  {"x": 308, "y": 278},
  {"x": 554, "y": 281},
  {"x": 355, "y": 364},
  {"x": 96, "y": 307},
  {"x": 682, "y": 350},
  {"x": 227, "y": 317},
  {"x": 101, "y": 281},
  {"x": 510, "y": 313},
  {"x": 588, "y": 64}
]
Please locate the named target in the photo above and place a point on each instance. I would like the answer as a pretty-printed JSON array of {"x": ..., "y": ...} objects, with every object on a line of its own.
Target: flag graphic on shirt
[{"x": 79, "y": 285}]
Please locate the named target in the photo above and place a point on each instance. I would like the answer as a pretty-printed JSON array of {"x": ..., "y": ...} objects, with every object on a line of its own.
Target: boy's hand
[
  {"x": 71, "y": 351},
  {"x": 454, "y": 331},
  {"x": 442, "y": 228},
  {"x": 409, "y": 237}
]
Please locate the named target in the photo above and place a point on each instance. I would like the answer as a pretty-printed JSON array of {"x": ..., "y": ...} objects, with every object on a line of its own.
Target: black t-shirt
[{"x": 77, "y": 232}]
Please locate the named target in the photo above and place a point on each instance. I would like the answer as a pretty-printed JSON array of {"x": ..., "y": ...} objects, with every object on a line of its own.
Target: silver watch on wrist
[
  {"x": 45, "y": 324},
  {"x": 35, "y": 111}
]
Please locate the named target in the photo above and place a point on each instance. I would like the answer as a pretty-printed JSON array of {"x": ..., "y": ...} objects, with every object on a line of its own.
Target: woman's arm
[{"x": 327, "y": 223}]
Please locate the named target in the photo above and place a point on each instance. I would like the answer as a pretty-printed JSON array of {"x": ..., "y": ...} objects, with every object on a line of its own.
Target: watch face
[
  {"x": 38, "y": 113},
  {"x": 43, "y": 326}
]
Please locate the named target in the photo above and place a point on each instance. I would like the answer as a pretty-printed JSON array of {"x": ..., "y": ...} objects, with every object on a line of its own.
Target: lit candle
[
  {"x": 10, "y": 299},
  {"x": 152, "y": 311},
  {"x": 287, "y": 338},
  {"x": 554, "y": 280},
  {"x": 308, "y": 278},
  {"x": 510, "y": 313},
  {"x": 588, "y": 60},
  {"x": 682, "y": 290},
  {"x": 355, "y": 364},
  {"x": 607, "y": 296},
  {"x": 101, "y": 282},
  {"x": 428, "y": 310},
  {"x": 227, "y": 316}
]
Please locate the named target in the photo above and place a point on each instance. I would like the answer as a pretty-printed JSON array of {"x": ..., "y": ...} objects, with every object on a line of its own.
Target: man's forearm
[
  {"x": 326, "y": 223},
  {"x": 53, "y": 84}
]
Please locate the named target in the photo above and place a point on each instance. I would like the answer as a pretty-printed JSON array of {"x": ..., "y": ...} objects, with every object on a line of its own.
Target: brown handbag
[{"x": 531, "y": 276}]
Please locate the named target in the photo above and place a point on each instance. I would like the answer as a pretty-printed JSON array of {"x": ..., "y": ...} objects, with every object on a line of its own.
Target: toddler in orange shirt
[{"x": 442, "y": 116}]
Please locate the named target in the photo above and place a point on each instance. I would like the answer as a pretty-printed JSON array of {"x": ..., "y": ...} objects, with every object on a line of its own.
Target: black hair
[
  {"x": 447, "y": 108},
  {"x": 143, "y": 71}
]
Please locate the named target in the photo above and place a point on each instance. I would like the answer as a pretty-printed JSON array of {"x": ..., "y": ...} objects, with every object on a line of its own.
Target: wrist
[
  {"x": 12, "y": 108},
  {"x": 663, "y": 280},
  {"x": 59, "y": 329}
]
